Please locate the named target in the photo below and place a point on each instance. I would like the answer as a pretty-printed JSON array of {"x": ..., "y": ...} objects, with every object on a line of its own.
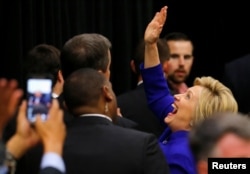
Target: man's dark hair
[
  {"x": 163, "y": 51},
  {"x": 85, "y": 50},
  {"x": 83, "y": 88},
  {"x": 177, "y": 36},
  {"x": 43, "y": 59},
  {"x": 204, "y": 137}
]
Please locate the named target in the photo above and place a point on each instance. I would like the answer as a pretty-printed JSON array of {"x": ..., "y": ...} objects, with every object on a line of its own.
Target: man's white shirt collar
[{"x": 96, "y": 115}]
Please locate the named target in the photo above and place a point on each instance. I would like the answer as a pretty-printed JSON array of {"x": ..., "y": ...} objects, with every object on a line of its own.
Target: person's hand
[
  {"x": 53, "y": 130},
  {"x": 9, "y": 99},
  {"x": 154, "y": 28},
  {"x": 151, "y": 35},
  {"x": 25, "y": 136}
]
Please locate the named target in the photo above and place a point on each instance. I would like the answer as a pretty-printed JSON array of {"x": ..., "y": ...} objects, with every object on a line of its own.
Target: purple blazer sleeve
[{"x": 158, "y": 94}]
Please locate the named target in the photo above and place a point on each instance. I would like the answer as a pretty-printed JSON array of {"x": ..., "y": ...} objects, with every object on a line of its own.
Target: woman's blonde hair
[{"x": 215, "y": 97}]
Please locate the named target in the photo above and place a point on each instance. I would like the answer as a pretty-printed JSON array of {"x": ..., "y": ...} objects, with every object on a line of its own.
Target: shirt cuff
[
  {"x": 51, "y": 159},
  {"x": 3, "y": 169}
]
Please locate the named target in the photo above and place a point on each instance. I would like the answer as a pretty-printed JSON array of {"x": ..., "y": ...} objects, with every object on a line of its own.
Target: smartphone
[{"x": 39, "y": 92}]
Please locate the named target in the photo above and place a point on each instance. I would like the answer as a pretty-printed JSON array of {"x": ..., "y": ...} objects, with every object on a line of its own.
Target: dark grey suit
[
  {"x": 94, "y": 145},
  {"x": 30, "y": 162}
]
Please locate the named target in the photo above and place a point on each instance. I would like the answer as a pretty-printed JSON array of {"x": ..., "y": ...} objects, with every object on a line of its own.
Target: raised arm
[{"x": 158, "y": 95}]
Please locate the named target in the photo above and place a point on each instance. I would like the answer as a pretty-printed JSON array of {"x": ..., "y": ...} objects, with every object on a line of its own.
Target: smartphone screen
[{"x": 38, "y": 98}]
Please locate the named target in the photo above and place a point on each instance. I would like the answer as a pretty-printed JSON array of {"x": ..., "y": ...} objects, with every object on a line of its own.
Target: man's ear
[
  {"x": 202, "y": 167},
  {"x": 107, "y": 93},
  {"x": 165, "y": 66},
  {"x": 60, "y": 76},
  {"x": 104, "y": 73},
  {"x": 132, "y": 66}
]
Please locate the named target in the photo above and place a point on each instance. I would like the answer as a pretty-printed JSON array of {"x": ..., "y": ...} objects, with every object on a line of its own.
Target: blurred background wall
[{"x": 220, "y": 31}]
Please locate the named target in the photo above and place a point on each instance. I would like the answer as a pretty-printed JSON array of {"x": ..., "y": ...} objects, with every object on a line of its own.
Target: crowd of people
[{"x": 163, "y": 126}]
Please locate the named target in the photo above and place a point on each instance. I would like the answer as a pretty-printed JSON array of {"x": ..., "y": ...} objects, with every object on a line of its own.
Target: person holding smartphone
[
  {"x": 42, "y": 59},
  {"x": 52, "y": 132}
]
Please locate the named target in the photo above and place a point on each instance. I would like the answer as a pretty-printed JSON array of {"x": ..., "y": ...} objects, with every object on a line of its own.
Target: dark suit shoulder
[
  {"x": 126, "y": 123},
  {"x": 243, "y": 61},
  {"x": 139, "y": 91},
  {"x": 133, "y": 131},
  {"x": 235, "y": 77},
  {"x": 86, "y": 124}
]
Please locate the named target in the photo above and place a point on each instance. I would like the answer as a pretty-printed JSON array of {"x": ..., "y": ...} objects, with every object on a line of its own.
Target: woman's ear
[{"x": 191, "y": 123}]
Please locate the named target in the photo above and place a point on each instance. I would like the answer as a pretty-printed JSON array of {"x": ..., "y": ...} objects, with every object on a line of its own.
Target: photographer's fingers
[{"x": 22, "y": 112}]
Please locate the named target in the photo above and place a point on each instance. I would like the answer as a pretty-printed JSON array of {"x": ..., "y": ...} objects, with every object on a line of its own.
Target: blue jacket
[{"x": 175, "y": 145}]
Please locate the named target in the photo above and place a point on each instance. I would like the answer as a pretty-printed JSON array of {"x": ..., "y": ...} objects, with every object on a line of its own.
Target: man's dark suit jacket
[
  {"x": 94, "y": 145},
  {"x": 133, "y": 105},
  {"x": 237, "y": 78},
  {"x": 50, "y": 170},
  {"x": 30, "y": 162}
]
